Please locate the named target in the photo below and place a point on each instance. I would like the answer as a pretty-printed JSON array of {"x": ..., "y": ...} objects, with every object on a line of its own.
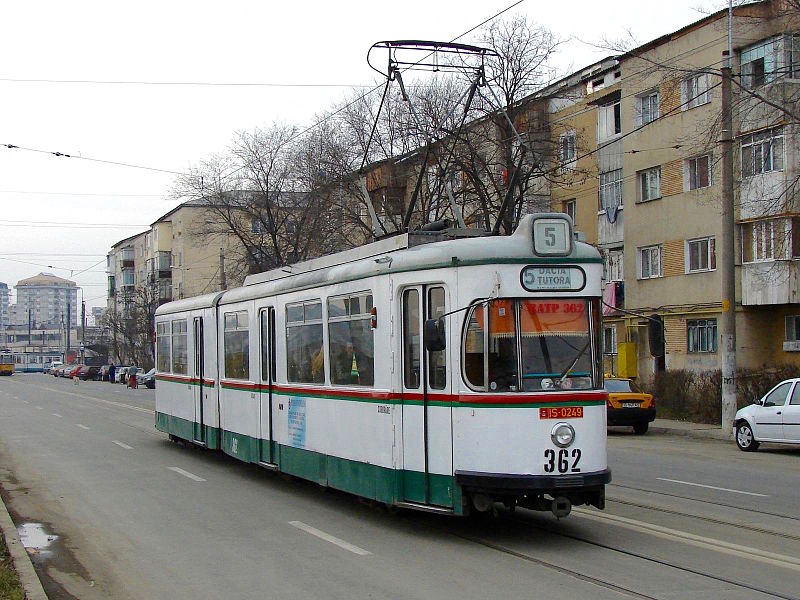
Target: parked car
[
  {"x": 75, "y": 370},
  {"x": 629, "y": 405},
  {"x": 53, "y": 366},
  {"x": 120, "y": 374},
  {"x": 147, "y": 379},
  {"x": 63, "y": 371},
  {"x": 775, "y": 417},
  {"x": 88, "y": 372}
]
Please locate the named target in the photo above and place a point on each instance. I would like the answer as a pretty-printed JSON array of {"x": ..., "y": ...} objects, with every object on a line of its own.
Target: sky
[{"x": 106, "y": 82}]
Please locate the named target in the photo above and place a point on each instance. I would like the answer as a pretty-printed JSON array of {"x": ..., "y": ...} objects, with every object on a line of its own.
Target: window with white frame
[
  {"x": 569, "y": 208},
  {"x": 698, "y": 172},
  {"x": 609, "y": 121},
  {"x": 650, "y": 262},
  {"x": 701, "y": 335},
  {"x": 648, "y": 107},
  {"x": 762, "y": 152},
  {"x": 758, "y": 240},
  {"x": 759, "y": 63},
  {"x": 695, "y": 91},
  {"x": 701, "y": 255},
  {"x": 567, "y": 152},
  {"x": 613, "y": 261},
  {"x": 611, "y": 189},
  {"x": 609, "y": 339},
  {"x": 649, "y": 184},
  {"x": 792, "y": 326}
]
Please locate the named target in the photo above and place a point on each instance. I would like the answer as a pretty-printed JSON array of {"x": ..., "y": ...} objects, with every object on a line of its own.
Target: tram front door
[
  {"x": 267, "y": 369},
  {"x": 197, "y": 389},
  {"x": 427, "y": 409}
]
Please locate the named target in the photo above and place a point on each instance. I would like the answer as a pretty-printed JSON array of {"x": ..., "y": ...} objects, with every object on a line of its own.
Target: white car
[{"x": 774, "y": 418}]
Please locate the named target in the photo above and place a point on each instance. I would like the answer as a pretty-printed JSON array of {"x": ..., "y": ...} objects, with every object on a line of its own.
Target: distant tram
[
  {"x": 443, "y": 376},
  {"x": 6, "y": 363}
]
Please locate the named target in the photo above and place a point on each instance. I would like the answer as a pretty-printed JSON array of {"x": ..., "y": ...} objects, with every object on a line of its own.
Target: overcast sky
[{"x": 61, "y": 215}]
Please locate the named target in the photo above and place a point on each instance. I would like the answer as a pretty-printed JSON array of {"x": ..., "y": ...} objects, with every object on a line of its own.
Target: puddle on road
[{"x": 36, "y": 539}]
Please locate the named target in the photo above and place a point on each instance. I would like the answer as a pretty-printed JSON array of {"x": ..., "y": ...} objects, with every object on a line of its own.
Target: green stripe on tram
[{"x": 362, "y": 479}]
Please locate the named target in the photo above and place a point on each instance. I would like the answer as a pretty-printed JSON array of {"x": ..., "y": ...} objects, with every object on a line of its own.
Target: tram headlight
[{"x": 562, "y": 434}]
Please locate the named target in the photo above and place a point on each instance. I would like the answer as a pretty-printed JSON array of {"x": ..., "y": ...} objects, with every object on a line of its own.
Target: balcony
[{"x": 770, "y": 282}]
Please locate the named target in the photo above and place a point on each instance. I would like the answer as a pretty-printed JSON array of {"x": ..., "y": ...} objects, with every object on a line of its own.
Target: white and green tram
[{"x": 439, "y": 375}]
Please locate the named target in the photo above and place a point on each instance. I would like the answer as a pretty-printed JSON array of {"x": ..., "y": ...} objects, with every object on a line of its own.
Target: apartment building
[
  {"x": 45, "y": 299},
  {"x": 4, "y": 319}
]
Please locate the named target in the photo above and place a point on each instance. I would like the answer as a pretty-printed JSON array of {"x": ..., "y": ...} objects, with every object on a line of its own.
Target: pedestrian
[
  {"x": 111, "y": 371},
  {"x": 132, "y": 377}
]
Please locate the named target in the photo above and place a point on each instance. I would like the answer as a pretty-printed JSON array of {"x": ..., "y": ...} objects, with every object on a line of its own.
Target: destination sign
[
  {"x": 537, "y": 279},
  {"x": 552, "y": 235}
]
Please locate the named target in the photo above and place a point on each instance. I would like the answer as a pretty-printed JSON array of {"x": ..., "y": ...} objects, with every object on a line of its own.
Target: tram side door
[
  {"x": 267, "y": 353},
  {"x": 197, "y": 390},
  {"x": 427, "y": 417}
]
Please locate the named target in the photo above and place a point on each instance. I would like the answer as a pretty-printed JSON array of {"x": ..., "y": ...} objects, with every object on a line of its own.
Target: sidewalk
[
  {"x": 20, "y": 557},
  {"x": 693, "y": 430}
]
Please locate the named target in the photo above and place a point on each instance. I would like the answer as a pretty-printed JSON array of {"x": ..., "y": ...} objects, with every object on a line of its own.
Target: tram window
[
  {"x": 555, "y": 343},
  {"x": 502, "y": 346},
  {"x": 179, "y": 345},
  {"x": 267, "y": 341},
  {"x": 437, "y": 361},
  {"x": 474, "y": 337},
  {"x": 236, "y": 342},
  {"x": 411, "y": 339},
  {"x": 350, "y": 340},
  {"x": 162, "y": 347},
  {"x": 305, "y": 359}
]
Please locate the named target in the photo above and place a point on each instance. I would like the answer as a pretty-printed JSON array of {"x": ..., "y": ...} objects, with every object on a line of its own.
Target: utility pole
[
  {"x": 727, "y": 250},
  {"x": 83, "y": 331},
  {"x": 222, "y": 283},
  {"x": 69, "y": 323}
]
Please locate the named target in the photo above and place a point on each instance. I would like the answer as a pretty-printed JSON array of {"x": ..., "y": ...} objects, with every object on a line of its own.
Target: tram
[
  {"x": 444, "y": 375},
  {"x": 6, "y": 362}
]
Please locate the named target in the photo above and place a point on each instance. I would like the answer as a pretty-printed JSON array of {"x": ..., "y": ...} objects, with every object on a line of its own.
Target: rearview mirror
[{"x": 434, "y": 335}]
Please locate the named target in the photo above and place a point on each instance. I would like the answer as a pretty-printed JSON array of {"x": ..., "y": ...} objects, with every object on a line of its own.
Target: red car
[{"x": 74, "y": 371}]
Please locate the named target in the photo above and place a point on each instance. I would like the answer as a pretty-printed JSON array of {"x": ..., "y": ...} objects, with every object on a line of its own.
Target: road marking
[
  {"x": 746, "y": 552},
  {"x": 713, "y": 487},
  {"x": 329, "y": 538},
  {"x": 109, "y": 402},
  {"x": 82, "y": 426},
  {"x": 58, "y": 415},
  {"x": 186, "y": 473},
  {"x": 40, "y": 408},
  {"x": 121, "y": 445}
]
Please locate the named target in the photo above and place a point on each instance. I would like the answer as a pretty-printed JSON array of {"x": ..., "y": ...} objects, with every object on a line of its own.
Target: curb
[
  {"x": 19, "y": 556},
  {"x": 713, "y": 433}
]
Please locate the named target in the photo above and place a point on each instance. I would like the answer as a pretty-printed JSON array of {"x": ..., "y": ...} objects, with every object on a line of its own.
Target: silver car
[{"x": 773, "y": 418}]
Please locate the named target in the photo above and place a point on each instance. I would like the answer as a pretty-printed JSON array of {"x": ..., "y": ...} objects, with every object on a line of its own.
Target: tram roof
[
  {"x": 393, "y": 255},
  {"x": 381, "y": 258}
]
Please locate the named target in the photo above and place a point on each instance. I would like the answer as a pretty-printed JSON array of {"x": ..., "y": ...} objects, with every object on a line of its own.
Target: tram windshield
[{"x": 529, "y": 345}]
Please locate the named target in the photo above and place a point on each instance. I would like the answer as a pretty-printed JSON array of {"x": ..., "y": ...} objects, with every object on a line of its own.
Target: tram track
[
  {"x": 602, "y": 582},
  {"x": 738, "y": 525},
  {"x": 754, "y": 511}
]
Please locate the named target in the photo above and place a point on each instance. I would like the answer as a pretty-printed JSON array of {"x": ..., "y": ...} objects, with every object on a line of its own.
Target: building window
[
  {"x": 648, "y": 107},
  {"x": 701, "y": 335},
  {"x": 792, "y": 328},
  {"x": 179, "y": 347},
  {"x": 695, "y": 91},
  {"x": 611, "y": 189},
  {"x": 305, "y": 360},
  {"x": 701, "y": 255},
  {"x": 610, "y": 340},
  {"x": 649, "y": 184},
  {"x": 236, "y": 342},
  {"x": 609, "y": 121},
  {"x": 568, "y": 207},
  {"x": 762, "y": 152},
  {"x": 699, "y": 172},
  {"x": 650, "y": 262},
  {"x": 758, "y": 241},
  {"x": 350, "y": 340},
  {"x": 566, "y": 150},
  {"x": 613, "y": 261},
  {"x": 766, "y": 60}
]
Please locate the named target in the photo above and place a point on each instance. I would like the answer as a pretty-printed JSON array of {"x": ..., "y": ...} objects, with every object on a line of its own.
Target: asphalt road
[{"x": 139, "y": 517}]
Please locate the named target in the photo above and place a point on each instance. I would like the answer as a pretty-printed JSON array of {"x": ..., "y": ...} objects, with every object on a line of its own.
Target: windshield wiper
[{"x": 566, "y": 373}]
